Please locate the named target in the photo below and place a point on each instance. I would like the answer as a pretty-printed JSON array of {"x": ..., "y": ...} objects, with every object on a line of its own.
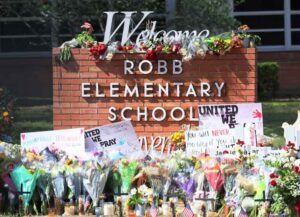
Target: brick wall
[
  {"x": 237, "y": 69},
  {"x": 289, "y": 72}
]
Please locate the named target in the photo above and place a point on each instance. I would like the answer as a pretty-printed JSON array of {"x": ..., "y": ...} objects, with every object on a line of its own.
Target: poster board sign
[
  {"x": 117, "y": 137},
  {"x": 217, "y": 143},
  {"x": 210, "y": 141},
  {"x": 70, "y": 140},
  {"x": 230, "y": 116}
]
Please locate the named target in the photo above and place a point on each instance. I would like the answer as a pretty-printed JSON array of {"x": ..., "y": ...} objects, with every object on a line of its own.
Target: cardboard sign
[
  {"x": 229, "y": 116},
  {"x": 117, "y": 137},
  {"x": 210, "y": 141},
  {"x": 71, "y": 140}
]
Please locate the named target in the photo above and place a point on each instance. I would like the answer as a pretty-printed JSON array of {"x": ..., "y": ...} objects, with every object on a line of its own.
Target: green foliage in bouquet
[
  {"x": 219, "y": 44},
  {"x": 65, "y": 54},
  {"x": 84, "y": 38}
]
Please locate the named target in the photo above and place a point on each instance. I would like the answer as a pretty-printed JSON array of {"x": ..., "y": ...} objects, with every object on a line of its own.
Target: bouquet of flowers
[{"x": 284, "y": 184}]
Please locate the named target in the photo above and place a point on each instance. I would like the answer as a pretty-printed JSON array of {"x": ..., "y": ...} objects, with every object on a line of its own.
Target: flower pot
[
  {"x": 246, "y": 42},
  {"x": 140, "y": 210},
  {"x": 131, "y": 213},
  {"x": 252, "y": 44}
]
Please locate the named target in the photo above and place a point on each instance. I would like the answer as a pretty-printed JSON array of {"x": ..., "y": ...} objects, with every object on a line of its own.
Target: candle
[
  {"x": 165, "y": 209},
  {"x": 108, "y": 209},
  {"x": 98, "y": 211}
]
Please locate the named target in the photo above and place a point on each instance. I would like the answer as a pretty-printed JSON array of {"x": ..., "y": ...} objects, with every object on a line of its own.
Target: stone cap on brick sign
[{"x": 237, "y": 69}]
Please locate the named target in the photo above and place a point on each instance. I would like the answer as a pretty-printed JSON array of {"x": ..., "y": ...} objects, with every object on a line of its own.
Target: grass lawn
[{"x": 39, "y": 117}]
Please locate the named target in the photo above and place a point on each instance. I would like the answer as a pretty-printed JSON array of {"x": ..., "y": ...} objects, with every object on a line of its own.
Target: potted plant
[
  {"x": 136, "y": 203},
  {"x": 254, "y": 40},
  {"x": 244, "y": 36}
]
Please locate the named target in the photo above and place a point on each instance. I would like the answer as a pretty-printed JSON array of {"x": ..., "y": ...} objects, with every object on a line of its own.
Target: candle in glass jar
[
  {"x": 165, "y": 209},
  {"x": 108, "y": 208}
]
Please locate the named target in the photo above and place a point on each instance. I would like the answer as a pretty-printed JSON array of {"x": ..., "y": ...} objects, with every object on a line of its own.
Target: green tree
[
  {"x": 66, "y": 16},
  {"x": 204, "y": 14}
]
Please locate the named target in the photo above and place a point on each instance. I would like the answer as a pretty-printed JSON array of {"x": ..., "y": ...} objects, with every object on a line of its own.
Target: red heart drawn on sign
[{"x": 23, "y": 136}]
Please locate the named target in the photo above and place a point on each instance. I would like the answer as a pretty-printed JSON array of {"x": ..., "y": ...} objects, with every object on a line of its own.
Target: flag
[
  {"x": 242, "y": 213},
  {"x": 187, "y": 212},
  {"x": 153, "y": 211}
]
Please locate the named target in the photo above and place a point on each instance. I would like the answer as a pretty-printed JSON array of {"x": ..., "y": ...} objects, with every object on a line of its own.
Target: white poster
[
  {"x": 117, "y": 137},
  {"x": 71, "y": 140},
  {"x": 210, "y": 141},
  {"x": 229, "y": 116}
]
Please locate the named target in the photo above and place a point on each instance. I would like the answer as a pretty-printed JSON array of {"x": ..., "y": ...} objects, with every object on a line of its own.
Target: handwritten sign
[
  {"x": 71, "y": 140},
  {"x": 117, "y": 137},
  {"x": 209, "y": 141},
  {"x": 230, "y": 116}
]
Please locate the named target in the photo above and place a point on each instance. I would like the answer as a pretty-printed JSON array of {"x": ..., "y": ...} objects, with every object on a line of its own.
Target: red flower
[
  {"x": 151, "y": 55},
  {"x": 159, "y": 48},
  {"x": 240, "y": 142},
  {"x": 290, "y": 144},
  {"x": 98, "y": 50},
  {"x": 129, "y": 47},
  {"x": 296, "y": 169},
  {"x": 297, "y": 207},
  {"x": 273, "y": 183},
  {"x": 176, "y": 47},
  {"x": 273, "y": 176}
]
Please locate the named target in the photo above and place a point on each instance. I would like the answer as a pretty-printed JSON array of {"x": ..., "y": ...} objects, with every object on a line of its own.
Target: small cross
[{"x": 204, "y": 198}]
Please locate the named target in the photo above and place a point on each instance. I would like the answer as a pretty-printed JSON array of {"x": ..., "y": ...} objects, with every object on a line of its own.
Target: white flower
[
  {"x": 133, "y": 191},
  {"x": 183, "y": 51},
  {"x": 297, "y": 163}
]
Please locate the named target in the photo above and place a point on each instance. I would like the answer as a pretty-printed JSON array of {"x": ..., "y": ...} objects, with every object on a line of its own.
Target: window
[{"x": 276, "y": 21}]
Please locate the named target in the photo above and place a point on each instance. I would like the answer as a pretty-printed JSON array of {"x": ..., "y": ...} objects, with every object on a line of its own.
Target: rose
[
  {"x": 273, "y": 183},
  {"x": 273, "y": 176},
  {"x": 297, "y": 207},
  {"x": 296, "y": 169},
  {"x": 151, "y": 55},
  {"x": 98, "y": 50}
]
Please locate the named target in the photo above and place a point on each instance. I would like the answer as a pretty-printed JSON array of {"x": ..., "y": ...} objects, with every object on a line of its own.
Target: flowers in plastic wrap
[
  {"x": 213, "y": 175},
  {"x": 58, "y": 182},
  {"x": 73, "y": 179},
  {"x": 26, "y": 181},
  {"x": 127, "y": 171},
  {"x": 183, "y": 176},
  {"x": 94, "y": 180}
]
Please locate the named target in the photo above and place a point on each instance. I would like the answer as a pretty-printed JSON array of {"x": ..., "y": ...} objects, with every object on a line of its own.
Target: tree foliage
[{"x": 66, "y": 16}]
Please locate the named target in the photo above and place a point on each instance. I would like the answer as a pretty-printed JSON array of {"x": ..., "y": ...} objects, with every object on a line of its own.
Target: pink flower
[{"x": 88, "y": 27}]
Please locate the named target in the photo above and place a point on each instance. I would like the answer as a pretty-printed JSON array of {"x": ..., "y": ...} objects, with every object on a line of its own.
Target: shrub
[
  {"x": 267, "y": 79},
  {"x": 7, "y": 105}
]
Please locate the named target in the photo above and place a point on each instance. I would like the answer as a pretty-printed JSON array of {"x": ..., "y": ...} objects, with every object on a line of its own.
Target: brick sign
[{"x": 158, "y": 96}]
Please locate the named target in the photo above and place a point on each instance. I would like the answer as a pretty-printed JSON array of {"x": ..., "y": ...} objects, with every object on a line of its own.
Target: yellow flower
[{"x": 5, "y": 114}]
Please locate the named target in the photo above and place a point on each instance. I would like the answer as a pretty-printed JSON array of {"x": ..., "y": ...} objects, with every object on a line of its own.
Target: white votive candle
[{"x": 108, "y": 209}]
